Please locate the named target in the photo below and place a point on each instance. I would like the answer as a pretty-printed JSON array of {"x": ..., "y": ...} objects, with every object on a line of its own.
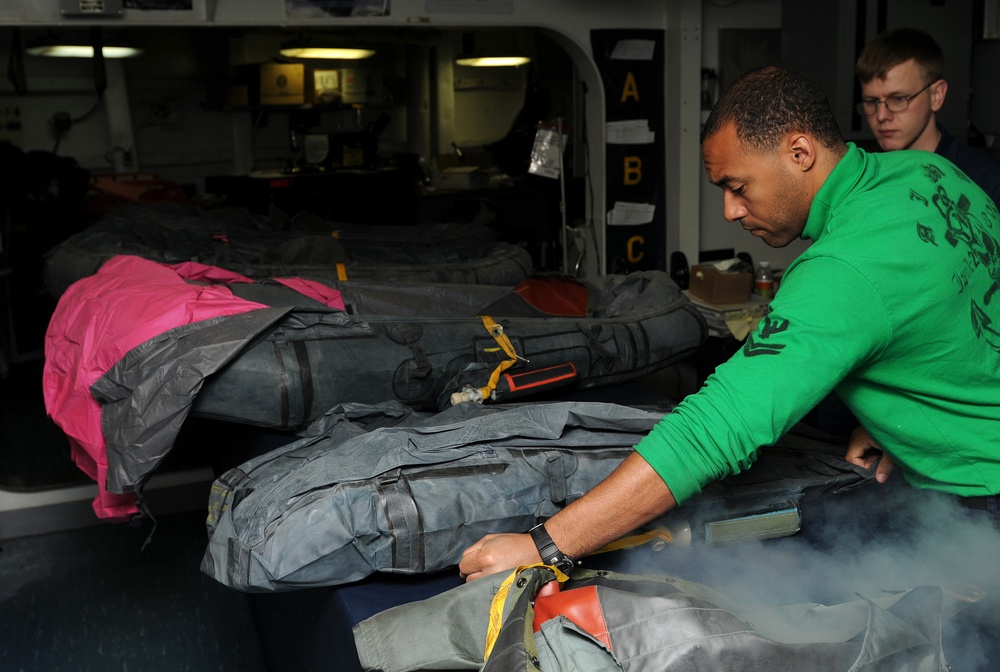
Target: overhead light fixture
[
  {"x": 495, "y": 57},
  {"x": 52, "y": 45},
  {"x": 328, "y": 53},
  {"x": 326, "y": 48},
  {"x": 83, "y": 51},
  {"x": 492, "y": 61}
]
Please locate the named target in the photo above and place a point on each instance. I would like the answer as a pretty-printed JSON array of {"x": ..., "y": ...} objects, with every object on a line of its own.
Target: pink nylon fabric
[
  {"x": 198, "y": 272},
  {"x": 315, "y": 290},
  {"x": 96, "y": 322}
]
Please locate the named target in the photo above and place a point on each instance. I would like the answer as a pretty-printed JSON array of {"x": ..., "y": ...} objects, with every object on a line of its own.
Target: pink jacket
[{"x": 101, "y": 317}]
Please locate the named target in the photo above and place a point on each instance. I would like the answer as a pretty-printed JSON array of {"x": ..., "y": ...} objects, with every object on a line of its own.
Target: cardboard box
[
  {"x": 282, "y": 84},
  {"x": 469, "y": 171},
  {"x": 715, "y": 286},
  {"x": 464, "y": 177}
]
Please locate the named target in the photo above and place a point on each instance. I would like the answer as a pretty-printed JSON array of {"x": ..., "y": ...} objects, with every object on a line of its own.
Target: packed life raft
[
  {"x": 277, "y": 246},
  {"x": 135, "y": 348},
  {"x": 386, "y": 490},
  {"x": 538, "y": 620}
]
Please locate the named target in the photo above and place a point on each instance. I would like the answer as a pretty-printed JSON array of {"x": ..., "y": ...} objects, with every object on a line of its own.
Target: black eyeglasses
[{"x": 869, "y": 106}]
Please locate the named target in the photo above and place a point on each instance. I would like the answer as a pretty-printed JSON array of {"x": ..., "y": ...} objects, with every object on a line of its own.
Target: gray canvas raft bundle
[
  {"x": 420, "y": 344},
  {"x": 258, "y": 247},
  {"x": 416, "y": 344},
  {"x": 408, "y": 498},
  {"x": 419, "y": 236},
  {"x": 150, "y": 344},
  {"x": 608, "y": 622}
]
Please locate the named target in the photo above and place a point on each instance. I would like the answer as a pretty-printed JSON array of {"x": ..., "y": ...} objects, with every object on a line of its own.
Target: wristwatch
[{"x": 551, "y": 555}]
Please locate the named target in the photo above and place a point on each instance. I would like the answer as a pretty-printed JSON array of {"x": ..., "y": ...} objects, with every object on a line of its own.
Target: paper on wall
[
  {"x": 631, "y": 214},
  {"x": 631, "y": 132},
  {"x": 633, "y": 50}
]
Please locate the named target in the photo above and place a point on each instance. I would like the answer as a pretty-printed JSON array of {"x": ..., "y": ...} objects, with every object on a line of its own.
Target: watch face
[{"x": 564, "y": 564}]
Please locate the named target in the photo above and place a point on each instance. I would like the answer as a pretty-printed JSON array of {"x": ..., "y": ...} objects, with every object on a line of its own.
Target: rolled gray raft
[
  {"x": 413, "y": 344},
  {"x": 238, "y": 241},
  {"x": 407, "y": 499},
  {"x": 420, "y": 344},
  {"x": 408, "y": 496},
  {"x": 603, "y": 621}
]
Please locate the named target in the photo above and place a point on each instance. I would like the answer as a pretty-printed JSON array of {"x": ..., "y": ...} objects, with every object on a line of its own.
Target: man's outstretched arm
[{"x": 632, "y": 495}]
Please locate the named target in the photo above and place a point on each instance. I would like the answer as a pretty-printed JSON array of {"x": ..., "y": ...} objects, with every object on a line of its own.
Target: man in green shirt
[{"x": 894, "y": 305}]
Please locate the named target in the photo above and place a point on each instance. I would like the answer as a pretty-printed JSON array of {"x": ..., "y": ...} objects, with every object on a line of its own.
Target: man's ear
[
  {"x": 801, "y": 151},
  {"x": 939, "y": 90}
]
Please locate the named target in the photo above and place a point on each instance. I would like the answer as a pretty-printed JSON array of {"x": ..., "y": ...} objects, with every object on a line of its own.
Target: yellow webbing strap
[
  {"x": 335, "y": 234},
  {"x": 496, "y": 606},
  {"x": 341, "y": 271},
  {"x": 634, "y": 540},
  {"x": 496, "y": 331}
]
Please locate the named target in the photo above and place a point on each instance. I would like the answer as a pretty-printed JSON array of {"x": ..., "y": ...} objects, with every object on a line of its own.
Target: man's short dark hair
[
  {"x": 896, "y": 46},
  {"x": 766, "y": 104}
]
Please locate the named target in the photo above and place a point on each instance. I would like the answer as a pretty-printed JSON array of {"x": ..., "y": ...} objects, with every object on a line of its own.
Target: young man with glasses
[{"x": 902, "y": 89}]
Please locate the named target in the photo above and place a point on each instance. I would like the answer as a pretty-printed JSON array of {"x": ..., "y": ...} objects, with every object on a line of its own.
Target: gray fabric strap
[
  {"x": 557, "y": 476},
  {"x": 404, "y": 522},
  {"x": 238, "y": 562},
  {"x": 403, "y": 333},
  {"x": 305, "y": 381},
  {"x": 610, "y": 360},
  {"x": 282, "y": 376}
]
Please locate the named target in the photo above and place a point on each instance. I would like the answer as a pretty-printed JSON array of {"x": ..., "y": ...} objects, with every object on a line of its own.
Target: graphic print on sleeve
[{"x": 764, "y": 345}]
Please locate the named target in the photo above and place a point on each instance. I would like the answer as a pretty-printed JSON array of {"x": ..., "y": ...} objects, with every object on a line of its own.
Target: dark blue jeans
[{"x": 990, "y": 513}]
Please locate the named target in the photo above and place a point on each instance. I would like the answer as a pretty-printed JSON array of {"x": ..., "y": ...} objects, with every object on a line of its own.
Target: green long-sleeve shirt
[{"x": 894, "y": 305}]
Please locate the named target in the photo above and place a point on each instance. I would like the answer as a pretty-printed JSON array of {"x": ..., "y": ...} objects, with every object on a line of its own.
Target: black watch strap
[{"x": 547, "y": 549}]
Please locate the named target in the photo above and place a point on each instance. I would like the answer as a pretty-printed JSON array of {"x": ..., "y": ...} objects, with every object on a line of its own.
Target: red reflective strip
[{"x": 514, "y": 387}]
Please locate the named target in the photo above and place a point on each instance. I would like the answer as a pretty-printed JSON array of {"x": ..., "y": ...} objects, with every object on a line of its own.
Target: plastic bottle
[{"x": 763, "y": 280}]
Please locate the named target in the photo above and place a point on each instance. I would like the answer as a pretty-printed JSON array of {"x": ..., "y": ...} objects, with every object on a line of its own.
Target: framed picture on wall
[{"x": 166, "y": 5}]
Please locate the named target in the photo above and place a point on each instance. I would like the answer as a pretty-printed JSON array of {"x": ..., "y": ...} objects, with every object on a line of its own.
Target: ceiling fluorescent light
[
  {"x": 328, "y": 53},
  {"x": 492, "y": 61},
  {"x": 51, "y": 45},
  {"x": 83, "y": 51},
  {"x": 494, "y": 56}
]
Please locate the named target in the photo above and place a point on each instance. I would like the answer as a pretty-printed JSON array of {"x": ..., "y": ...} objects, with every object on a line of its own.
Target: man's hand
[
  {"x": 611, "y": 509},
  {"x": 863, "y": 451},
  {"x": 495, "y": 553}
]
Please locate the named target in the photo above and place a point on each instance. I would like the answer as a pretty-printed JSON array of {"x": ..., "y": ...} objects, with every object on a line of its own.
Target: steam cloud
[{"x": 888, "y": 537}]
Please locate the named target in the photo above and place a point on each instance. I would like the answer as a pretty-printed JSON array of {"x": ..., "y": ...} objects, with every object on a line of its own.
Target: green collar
[{"x": 838, "y": 184}]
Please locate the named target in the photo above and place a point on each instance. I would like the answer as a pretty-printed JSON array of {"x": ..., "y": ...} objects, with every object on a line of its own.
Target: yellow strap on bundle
[
  {"x": 341, "y": 271},
  {"x": 496, "y": 606},
  {"x": 633, "y": 540},
  {"x": 496, "y": 331}
]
